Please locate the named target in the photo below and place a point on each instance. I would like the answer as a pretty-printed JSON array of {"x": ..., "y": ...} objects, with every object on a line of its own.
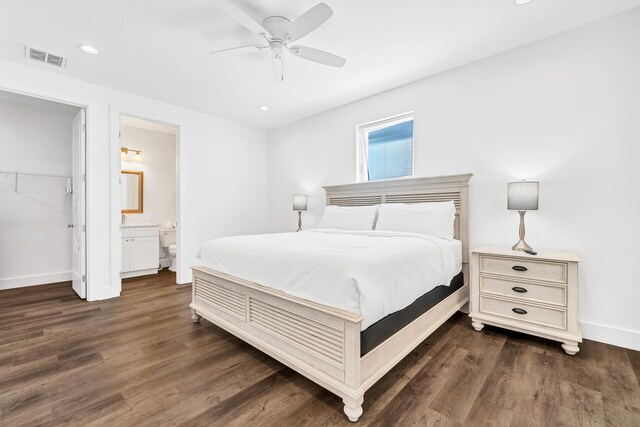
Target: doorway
[
  {"x": 148, "y": 197},
  {"x": 42, "y": 192}
]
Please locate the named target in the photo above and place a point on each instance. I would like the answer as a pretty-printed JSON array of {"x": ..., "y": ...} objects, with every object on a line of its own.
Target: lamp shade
[
  {"x": 299, "y": 202},
  {"x": 523, "y": 196}
]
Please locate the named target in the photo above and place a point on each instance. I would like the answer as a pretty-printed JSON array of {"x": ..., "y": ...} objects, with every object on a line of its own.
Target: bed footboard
[{"x": 319, "y": 342}]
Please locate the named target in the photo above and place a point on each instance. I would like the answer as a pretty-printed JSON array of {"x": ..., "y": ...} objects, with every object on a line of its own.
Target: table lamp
[
  {"x": 522, "y": 197},
  {"x": 299, "y": 204}
]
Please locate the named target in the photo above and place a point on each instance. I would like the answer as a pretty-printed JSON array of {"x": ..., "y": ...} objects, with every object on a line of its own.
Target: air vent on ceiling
[{"x": 44, "y": 56}]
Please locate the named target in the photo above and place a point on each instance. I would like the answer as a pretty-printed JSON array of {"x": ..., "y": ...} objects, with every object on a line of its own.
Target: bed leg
[
  {"x": 194, "y": 316},
  {"x": 353, "y": 408}
]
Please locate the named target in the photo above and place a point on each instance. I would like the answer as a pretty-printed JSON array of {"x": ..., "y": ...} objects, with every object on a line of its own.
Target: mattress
[
  {"x": 385, "y": 328},
  {"x": 372, "y": 273}
]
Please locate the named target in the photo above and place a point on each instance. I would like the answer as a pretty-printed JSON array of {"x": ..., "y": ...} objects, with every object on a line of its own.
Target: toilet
[{"x": 168, "y": 243}]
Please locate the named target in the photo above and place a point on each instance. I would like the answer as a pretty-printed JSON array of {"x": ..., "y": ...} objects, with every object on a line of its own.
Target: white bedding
[{"x": 373, "y": 273}]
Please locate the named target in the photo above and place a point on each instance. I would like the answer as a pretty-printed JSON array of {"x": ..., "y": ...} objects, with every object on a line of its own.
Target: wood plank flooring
[{"x": 138, "y": 360}]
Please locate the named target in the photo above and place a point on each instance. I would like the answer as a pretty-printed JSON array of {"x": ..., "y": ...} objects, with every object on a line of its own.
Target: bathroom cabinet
[{"x": 140, "y": 251}]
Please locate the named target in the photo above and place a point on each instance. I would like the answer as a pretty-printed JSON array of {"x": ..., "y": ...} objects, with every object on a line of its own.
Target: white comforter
[{"x": 373, "y": 273}]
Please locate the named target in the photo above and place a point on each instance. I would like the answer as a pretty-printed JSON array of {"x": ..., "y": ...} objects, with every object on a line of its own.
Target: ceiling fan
[{"x": 278, "y": 32}]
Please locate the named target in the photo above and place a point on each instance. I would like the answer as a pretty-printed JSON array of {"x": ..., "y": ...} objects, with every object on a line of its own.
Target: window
[{"x": 385, "y": 149}]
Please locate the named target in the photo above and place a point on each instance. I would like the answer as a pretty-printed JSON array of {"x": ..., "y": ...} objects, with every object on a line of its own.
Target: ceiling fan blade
[
  {"x": 241, "y": 50},
  {"x": 242, "y": 17},
  {"x": 319, "y": 56},
  {"x": 308, "y": 21},
  {"x": 277, "y": 62}
]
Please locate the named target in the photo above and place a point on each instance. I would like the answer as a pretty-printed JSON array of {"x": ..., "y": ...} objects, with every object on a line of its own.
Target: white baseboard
[
  {"x": 626, "y": 338},
  {"x": 41, "y": 279}
]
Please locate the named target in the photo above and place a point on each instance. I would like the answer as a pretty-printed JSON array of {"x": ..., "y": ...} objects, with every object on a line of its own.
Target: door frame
[
  {"x": 87, "y": 182},
  {"x": 116, "y": 115}
]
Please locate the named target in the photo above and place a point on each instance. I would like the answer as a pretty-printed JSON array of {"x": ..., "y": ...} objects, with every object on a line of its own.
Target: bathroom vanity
[{"x": 140, "y": 250}]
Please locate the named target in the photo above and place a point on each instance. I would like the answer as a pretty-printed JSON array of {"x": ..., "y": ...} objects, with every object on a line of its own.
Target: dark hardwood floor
[{"x": 139, "y": 360}]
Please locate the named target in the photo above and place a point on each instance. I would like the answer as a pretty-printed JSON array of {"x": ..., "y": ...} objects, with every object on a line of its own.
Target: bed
[{"x": 332, "y": 344}]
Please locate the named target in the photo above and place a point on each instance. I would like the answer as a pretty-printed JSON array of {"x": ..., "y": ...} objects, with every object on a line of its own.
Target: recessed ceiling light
[
  {"x": 263, "y": 108},
  {"x": 521, "y": 2},
  {"x": 89, "y": 49}
]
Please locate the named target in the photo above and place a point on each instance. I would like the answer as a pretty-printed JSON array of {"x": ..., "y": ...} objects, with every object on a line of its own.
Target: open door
[{"x": 79, "y": 280}]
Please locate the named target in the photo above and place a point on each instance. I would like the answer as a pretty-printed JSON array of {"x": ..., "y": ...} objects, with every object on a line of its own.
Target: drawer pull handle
[
  {"x": 519, "y": 290},
  {"x": 519, "y": 310},
  {"x": 519, "y": 268}
]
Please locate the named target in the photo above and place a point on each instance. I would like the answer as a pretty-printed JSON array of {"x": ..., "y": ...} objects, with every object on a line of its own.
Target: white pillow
[
  {"x": 354, "y": 218},
  {"x": 433, "y": 218}
]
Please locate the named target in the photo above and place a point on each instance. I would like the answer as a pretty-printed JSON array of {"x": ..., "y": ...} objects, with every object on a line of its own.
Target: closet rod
[{"x": 32, "y": 174}]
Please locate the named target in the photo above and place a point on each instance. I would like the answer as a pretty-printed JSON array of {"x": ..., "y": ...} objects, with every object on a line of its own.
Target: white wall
[
  {"x": 35, "y": 243},
  {"x": 222, "y": 171},
  {"x": 159, "y": 168},
  {"x": 565, "y": 111}
]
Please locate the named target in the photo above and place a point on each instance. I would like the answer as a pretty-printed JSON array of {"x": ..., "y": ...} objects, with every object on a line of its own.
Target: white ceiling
[{"x": 159, "y": 48}]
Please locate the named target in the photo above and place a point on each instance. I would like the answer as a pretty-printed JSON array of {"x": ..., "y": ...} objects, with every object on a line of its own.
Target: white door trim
[
  {"x": 116, "y": 112},
  {"x": 89, "y": 291}
]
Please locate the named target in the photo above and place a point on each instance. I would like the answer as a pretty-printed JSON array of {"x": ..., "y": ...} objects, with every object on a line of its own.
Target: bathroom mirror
[{"x": 131, "y": 192}]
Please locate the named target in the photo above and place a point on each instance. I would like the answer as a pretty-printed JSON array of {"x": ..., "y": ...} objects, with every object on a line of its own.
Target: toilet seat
[{"x": 172, "y": 249}]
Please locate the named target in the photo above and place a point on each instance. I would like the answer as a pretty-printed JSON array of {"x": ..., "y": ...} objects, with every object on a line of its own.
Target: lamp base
[{"x": 521, "y": 246}]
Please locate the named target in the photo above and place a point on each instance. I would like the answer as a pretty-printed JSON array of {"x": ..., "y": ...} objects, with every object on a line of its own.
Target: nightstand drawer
[
  {"x": 555, "y": 272},
  {"x": 546, "y": 294},
  {"x": 523, "y": 312}
]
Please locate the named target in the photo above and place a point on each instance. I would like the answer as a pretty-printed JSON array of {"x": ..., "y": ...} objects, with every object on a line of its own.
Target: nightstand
[{"x": 533, "y": 294}]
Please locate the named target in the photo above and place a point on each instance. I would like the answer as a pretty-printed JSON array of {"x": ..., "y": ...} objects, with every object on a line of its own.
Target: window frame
[{"x": 362, "y": 145}]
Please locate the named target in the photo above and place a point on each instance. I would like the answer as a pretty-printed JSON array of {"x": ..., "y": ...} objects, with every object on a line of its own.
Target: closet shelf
[{"x": 14, "y": 175}]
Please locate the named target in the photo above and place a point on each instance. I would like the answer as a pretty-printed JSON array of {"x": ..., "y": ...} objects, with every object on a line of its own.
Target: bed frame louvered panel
[
  {"x": 320, "y": 342},
  {"x": 356, "y": 201}
]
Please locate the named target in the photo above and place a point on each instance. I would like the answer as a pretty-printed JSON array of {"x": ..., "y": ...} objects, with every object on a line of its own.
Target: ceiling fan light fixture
[{"x": 278, "y": 32}]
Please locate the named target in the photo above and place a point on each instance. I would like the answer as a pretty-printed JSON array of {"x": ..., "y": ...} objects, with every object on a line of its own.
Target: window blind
[{"x": 390, "y": 151}]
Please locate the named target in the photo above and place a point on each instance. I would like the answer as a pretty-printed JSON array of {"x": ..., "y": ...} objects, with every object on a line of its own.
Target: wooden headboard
[{"x": 412, "y": 190}]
